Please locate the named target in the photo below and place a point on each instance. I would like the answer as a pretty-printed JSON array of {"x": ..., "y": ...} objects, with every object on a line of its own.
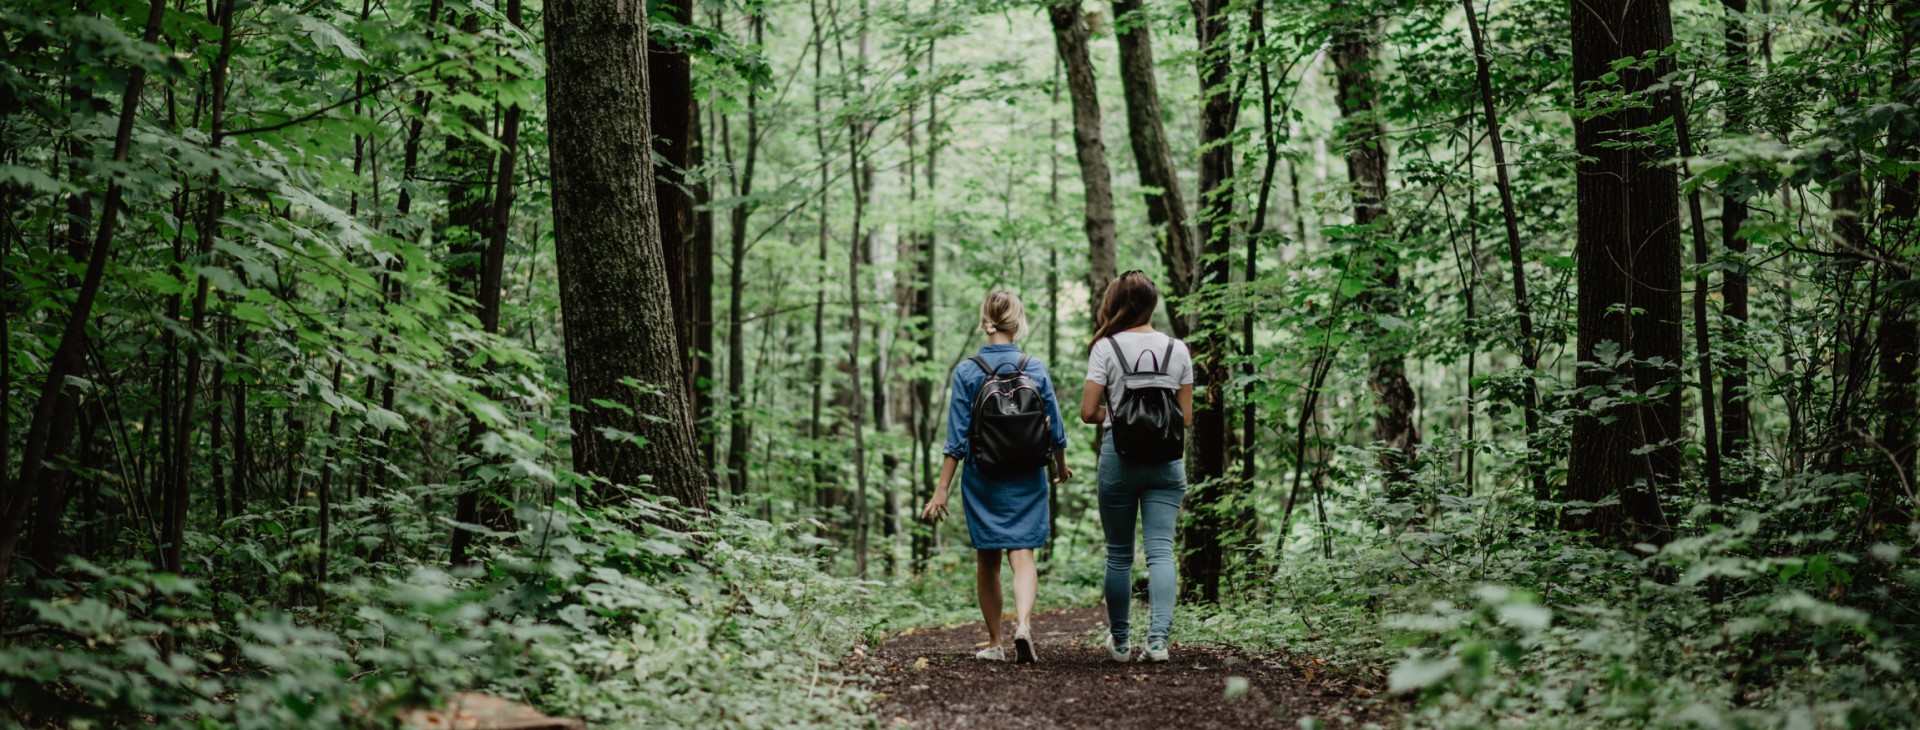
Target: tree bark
[
  {"x": 926, "y": 267},
  {"x": 738, "y": 435},
  {"x": 1703, "y": 351},
  {"x": 700, "y": 293},
  {"x": 614, "y": 295},
  {"x": 1204, "y": 532},
  {"x": 671, "y": 72},
  {"x": 1628, "y": 261},
  {"x": 1366, "y": 140},
  {"x": 1070, "y": 42},
  {"x": 1522, "y": 304},
  {"x": 816, "y": 363},
  {"x": 1166, "y": 208},
  {"x": 1898, "y": 334},
  {"x": 1735, "y": 411}
]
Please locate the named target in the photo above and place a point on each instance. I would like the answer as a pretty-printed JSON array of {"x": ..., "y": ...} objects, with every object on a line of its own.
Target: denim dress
[{"x": 1004, "y": 512}]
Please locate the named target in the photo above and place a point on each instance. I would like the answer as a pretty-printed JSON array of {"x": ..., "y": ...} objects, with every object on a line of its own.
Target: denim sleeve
[
  {"x": 959, "y": 416},
  {"x": 1053, "y": 405}
]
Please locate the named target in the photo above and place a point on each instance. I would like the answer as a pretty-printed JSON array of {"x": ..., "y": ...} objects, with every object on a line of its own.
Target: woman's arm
[
  {"x": 1093, "y": 406},
  {"x": 936, "y": 509},
  {"x": 1186, "y": 403}
]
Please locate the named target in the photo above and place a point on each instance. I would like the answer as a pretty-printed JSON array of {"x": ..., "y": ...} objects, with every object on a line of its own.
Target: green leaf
[{"x": 1418, "y": 673}]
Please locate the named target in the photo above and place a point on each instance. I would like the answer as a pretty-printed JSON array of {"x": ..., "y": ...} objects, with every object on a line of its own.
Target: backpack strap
[
  {"x": 982, "y": 363},
  {"x": 1021, "y": 369},
  {"x": 1168, "y": 357},
  {"x": 1125, "y": 367}
]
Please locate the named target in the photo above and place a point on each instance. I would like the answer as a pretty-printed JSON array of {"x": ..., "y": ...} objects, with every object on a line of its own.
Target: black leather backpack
[
  {"x": 1011, "y": 432},
  {"x": 1147, "y": 423}
]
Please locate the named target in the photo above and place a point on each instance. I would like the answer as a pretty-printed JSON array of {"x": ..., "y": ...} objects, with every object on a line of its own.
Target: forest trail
[{"x": 930, "y": 679}]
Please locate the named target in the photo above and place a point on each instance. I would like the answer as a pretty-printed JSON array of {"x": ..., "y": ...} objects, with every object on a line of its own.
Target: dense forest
[{"x": 1556, "y": 362}]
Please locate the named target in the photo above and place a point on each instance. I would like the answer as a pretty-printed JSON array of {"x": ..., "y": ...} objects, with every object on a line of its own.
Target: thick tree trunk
[
  {"x": 1166, "y": 208},
  {"x": 1393, "y": 425},
  {"x": 1628, "y": 259},
  {"x": 613, "y": 280},
  {"x": 1203, "y": 534},
  {"x": 1070, "y": 42}
]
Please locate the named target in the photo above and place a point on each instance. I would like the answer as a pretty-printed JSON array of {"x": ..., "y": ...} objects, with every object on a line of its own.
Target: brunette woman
[{"x": 1138, "y": 484}]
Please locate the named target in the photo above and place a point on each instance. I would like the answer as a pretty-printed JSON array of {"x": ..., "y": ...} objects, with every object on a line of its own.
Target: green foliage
[{"x": 588, "y": 616}]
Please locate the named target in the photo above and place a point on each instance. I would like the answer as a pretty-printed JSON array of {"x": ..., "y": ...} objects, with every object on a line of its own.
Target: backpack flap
[
  {"x": 1147, "y": 423},
  {"x": 1011, "y": 432}
]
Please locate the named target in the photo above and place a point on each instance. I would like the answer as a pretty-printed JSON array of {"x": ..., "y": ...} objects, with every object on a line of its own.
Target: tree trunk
[
  {"x": 1393, "y": 426},
  {"x": 857, "y": 411},
  {"x": 613, "y": 284},
  {"x": 1203, "y": 534},
  {"x": 1735, "y": 412},
  {"x": 40, "y": 447},
  {"x": 1628, "y": 260},
  {"x": 738, "y": 436},
  {"x": 816, "y": 364},
  {"x": 1523, "y": 306},
  {"x": 1070, "y": 42},
  {"x": 467, "y": 165},
  {"x": 1898, "y": 333},
  {"x": 671, "y": 72},
  {"x": 926, "y": 266},
  {"x": 174, "y": 521},
  {"x": 700, "y": 292},
  {"x": 487, "y": 300},
  {"x": 1166, "y": 209},
  {"x": 1703, "y": 350}
]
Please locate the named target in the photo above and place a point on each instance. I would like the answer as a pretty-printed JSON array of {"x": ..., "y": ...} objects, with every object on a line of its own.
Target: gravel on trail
[{"x": 928, "y": 678}]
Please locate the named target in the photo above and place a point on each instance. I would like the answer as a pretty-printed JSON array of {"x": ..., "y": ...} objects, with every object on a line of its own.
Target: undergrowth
[{"x": 598, "y": 614}]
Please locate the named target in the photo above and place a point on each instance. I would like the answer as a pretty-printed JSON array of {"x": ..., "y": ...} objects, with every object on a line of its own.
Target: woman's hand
[
  {"x": 1062, "y": 473},
  {"x": 936, "y": 509}
]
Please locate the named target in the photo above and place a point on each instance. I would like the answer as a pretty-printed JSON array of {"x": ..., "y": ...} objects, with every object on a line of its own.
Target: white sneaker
[
  {"x": 1118, "y": 654},
  {"x": 1023, "y": 646},
  {"x": 1156, "y": 653},
  {"x": 991, "y": 654}
]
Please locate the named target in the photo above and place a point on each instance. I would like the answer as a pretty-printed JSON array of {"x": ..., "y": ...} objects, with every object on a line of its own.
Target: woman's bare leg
[
  {"x": 1026, "y": 582},
  {"x": 986, "y": 576}
]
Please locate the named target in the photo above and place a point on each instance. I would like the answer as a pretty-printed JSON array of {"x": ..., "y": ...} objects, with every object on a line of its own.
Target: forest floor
[{"x": 928, "y": 678}]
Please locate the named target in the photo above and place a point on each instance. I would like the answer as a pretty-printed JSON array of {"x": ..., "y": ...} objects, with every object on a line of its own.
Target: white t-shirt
[{"x": 1143, "y": 351}]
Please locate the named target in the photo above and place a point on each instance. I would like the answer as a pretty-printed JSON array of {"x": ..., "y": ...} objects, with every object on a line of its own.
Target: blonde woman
[{"x": 1003, "y": 429}]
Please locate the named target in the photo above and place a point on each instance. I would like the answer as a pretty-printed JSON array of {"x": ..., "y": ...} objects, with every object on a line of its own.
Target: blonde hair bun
[{"x": 1003, "y": 312}]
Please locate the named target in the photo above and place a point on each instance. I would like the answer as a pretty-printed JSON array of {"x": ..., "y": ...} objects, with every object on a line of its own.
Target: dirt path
[{"x": 931, "y": 680}]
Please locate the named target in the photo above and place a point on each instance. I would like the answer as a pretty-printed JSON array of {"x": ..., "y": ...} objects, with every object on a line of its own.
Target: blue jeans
[{"x": 1151, "y": 493}]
